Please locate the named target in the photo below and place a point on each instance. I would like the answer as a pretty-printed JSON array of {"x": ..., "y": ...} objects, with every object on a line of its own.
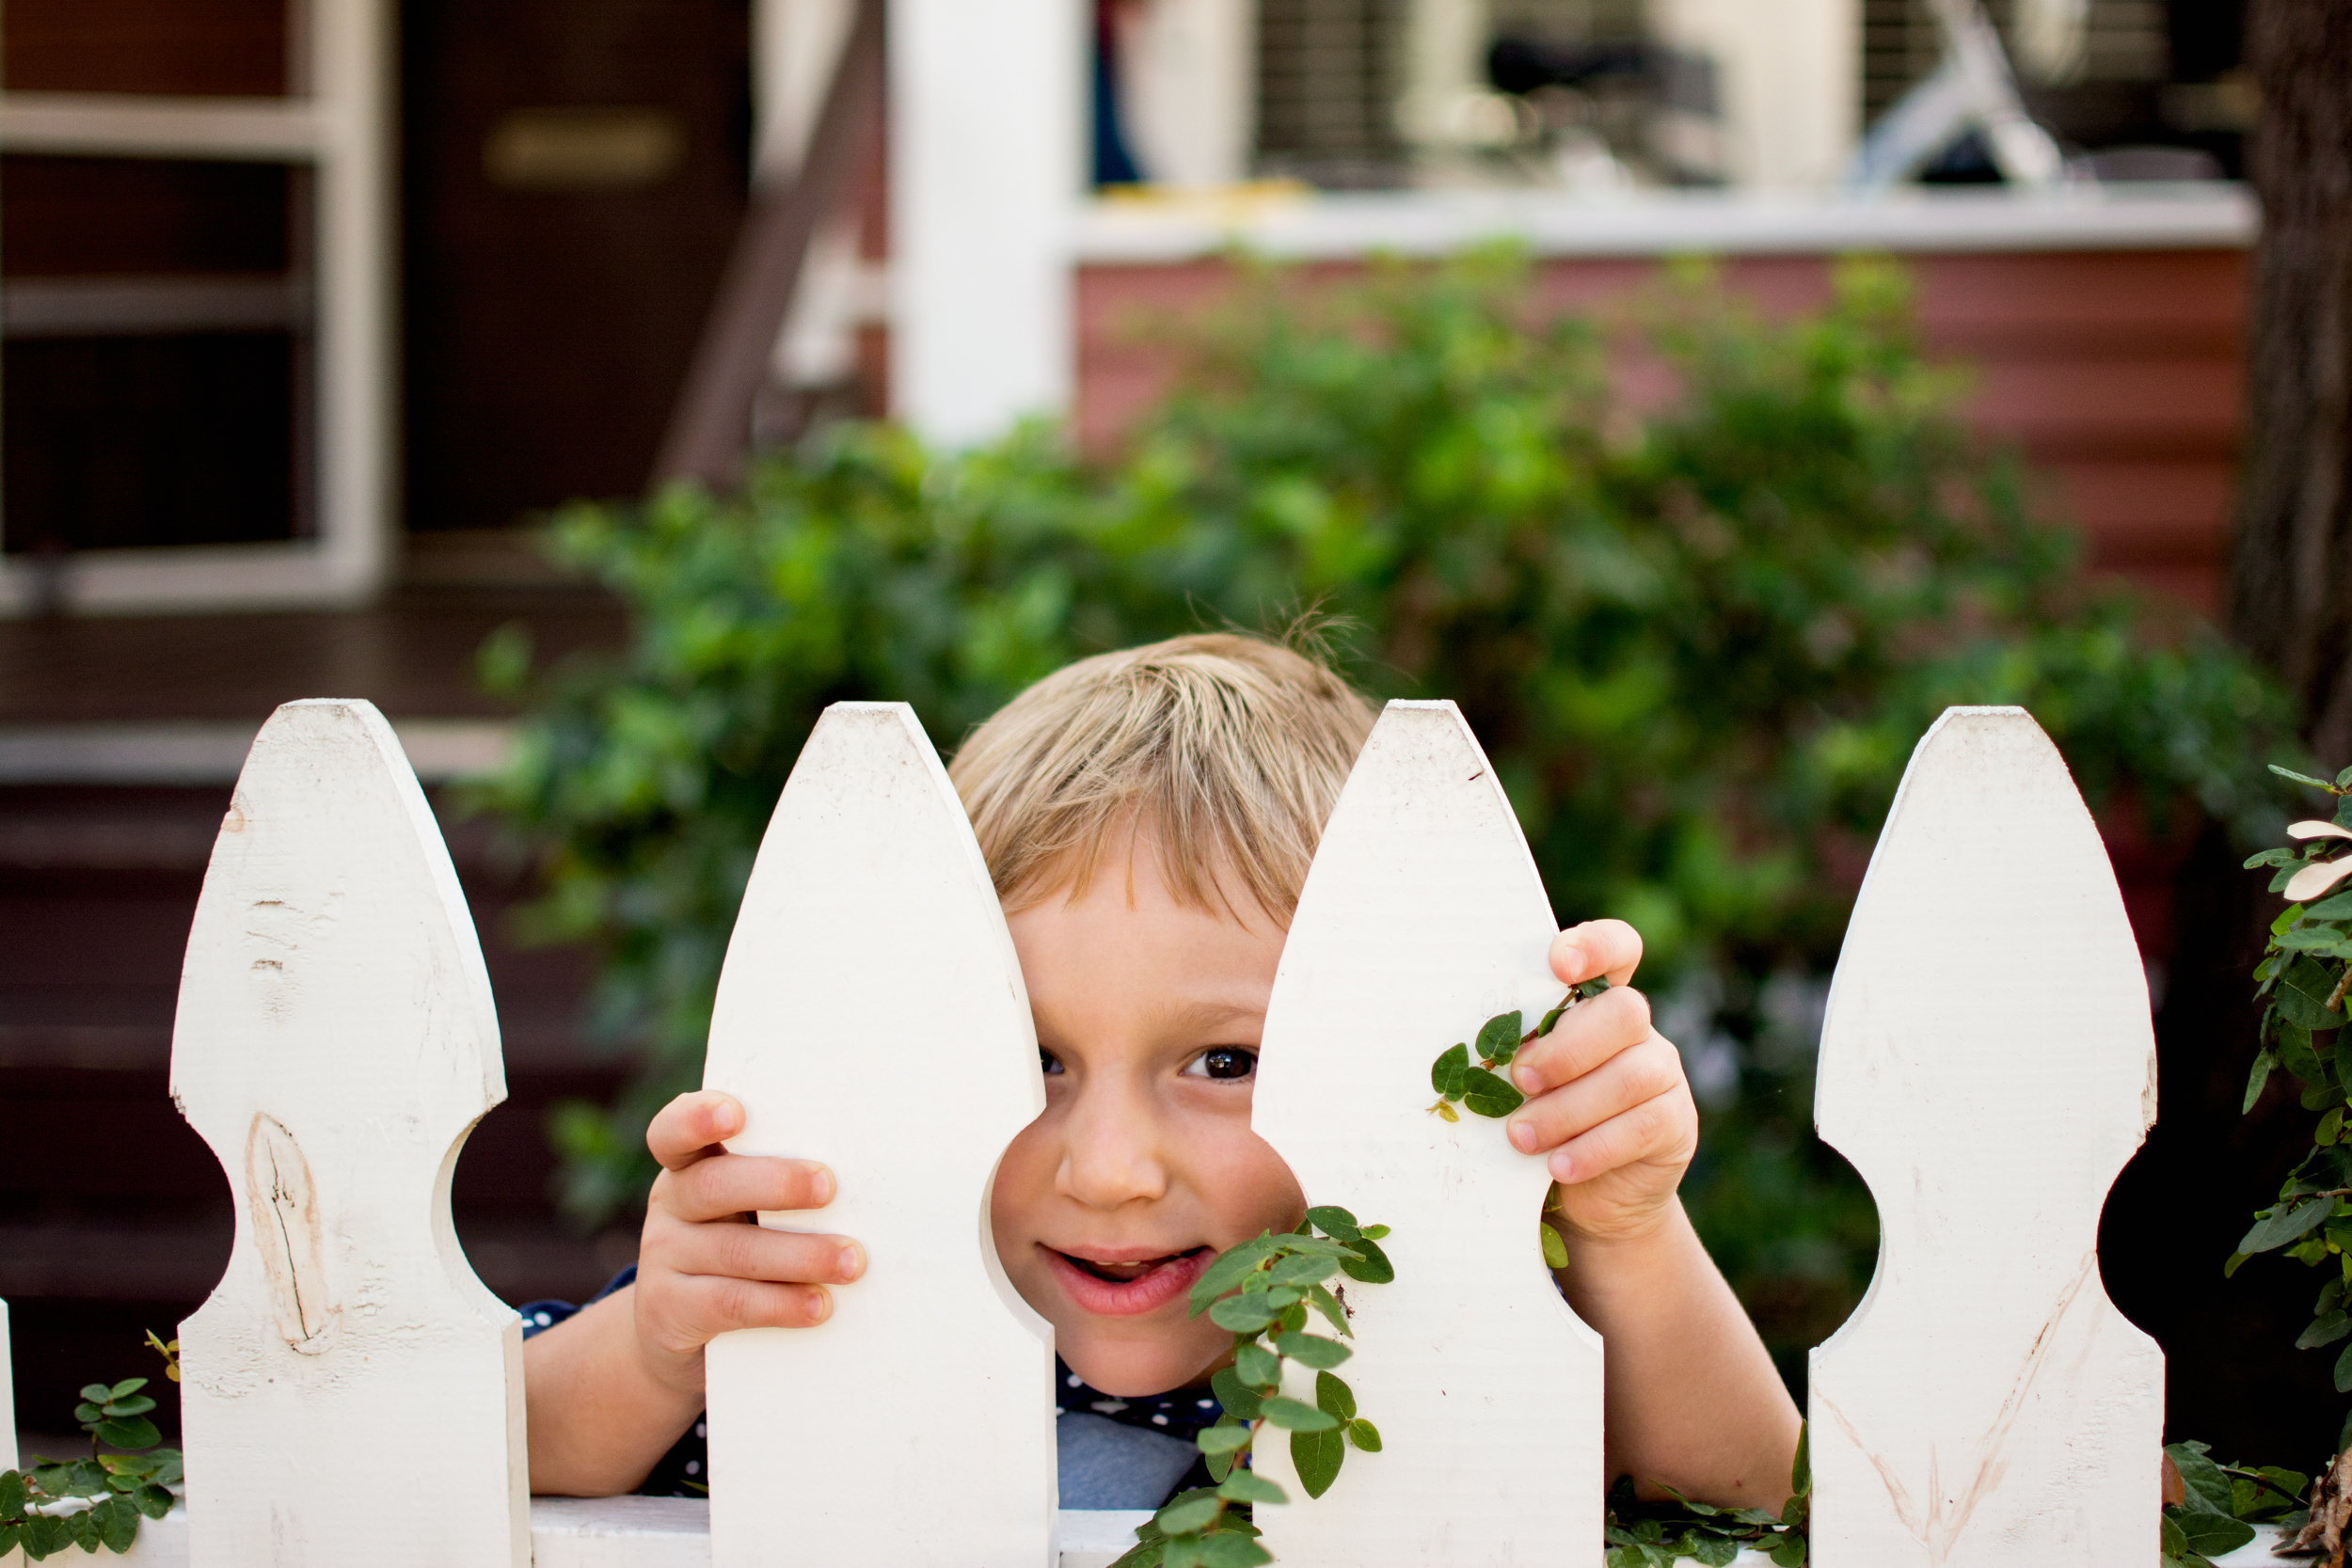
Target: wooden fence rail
[{"x": 353, "y": 1393}]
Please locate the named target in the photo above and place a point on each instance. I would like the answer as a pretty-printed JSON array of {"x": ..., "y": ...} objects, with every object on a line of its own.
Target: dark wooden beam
[{"x": 711, "y": 427}]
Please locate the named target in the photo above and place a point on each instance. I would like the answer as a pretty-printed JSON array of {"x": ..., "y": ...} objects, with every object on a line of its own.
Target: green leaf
[
  {"x": 1486, "y": 1095},
  {"x": 1232, "y": 1549},
  {"x": 1257, "y": 1366},
  {"x": 2212, "y": 1534},
  {"x": 1445, "y": 1073},
  {"x": 1323, "y": 1301},
  {"x": 2202, "y": 1481},
  {"x": 1242, "y": 1314},
  {"x": 97, "y": 1393},
  {"x": 1368, "y": 1264},
  {"x": 1227, "y": 1272},
  {"x": 1364, "y": 1434},
  {"x": 2302, "y": 994},
  {"x": 1181, "y": 1551},
  {"x": 11, "y": 1495},
  {"x": 1189, "y": 1513},
  {"x": 1239, "y": 1400},
  {"x": 127, "y": 1386},
  {"x": 1317, "y": 1457},
  {"x": 1715, "y": 1551},
  {"x": 1296, "y": 1414},
  {"x": 46, "y": 1535},
  {"x": 2336, "y": 906},
  {"x": 2283, "y": 1224},
  {"x": 120, "y": 1525},
  {"x": 88, "y": 1414},
  {"x": 1150, "y": 1554},
  {"x": 2324, "y": 1331},
  {"x": 1333, "y": 1395},
  {"x": 11, "y": 1536},
  {"x": 137, "y": 1404},
  {"x": 1555, "y": 1249},
  {"x": 1376, "y": 1233},
  {"x": 135, "y": 1432},
  {"x": 2285, "y": 856},
  {"x": 1311, "y": 1350},
  {"x": 1498, "y": 1039},
  {"x": 1219, "y": 1465},
  {"x": 1801, "y": 1472},
  {"x": 153, "y": 1500},
  {"x": 1334, "y": 1222},
  {"x": 2264, "y": 1061},
  {"x": 1789, "y": 1551},
  {"x": 86, "y": 1530},
  {"x": 1243, "y": 1486},
  {"x": 1307, "y": 1269},
  {"x": 2344, "y": 1371},
  {"x": 1224, "y": 1437}
]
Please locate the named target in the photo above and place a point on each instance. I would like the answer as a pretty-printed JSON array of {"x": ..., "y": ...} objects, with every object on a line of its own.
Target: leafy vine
[
  {"x": 1262, "y": 1292},
  {"x": 55, "y": 1506}
]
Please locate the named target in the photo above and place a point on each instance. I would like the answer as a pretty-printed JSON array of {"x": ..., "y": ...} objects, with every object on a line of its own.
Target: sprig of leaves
[
  {"x": 1263, "y": 1291},
  {"x": 1489, "y": 1094},
  {"x": 1651, "y": 1535},
  {"x": 54, "y": 1506},
  {"x": 2220, "y": 1504},
  {"x": 2300, "y": 982}
]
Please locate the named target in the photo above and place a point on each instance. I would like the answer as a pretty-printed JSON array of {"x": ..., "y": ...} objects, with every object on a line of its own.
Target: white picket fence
[{"x": 354, "y": 1396}]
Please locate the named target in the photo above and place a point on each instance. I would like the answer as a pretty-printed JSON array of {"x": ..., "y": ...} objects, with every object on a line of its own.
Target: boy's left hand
[{"x": 1606, "y": 1099}]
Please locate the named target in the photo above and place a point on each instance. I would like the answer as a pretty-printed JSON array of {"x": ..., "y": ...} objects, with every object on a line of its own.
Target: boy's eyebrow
[{"x": 1207, "y": 1013}]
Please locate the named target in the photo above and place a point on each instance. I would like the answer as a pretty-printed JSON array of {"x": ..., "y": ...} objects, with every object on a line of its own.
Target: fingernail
[
  {"x": 1525, "y": 1078},
  {"x": 728, "y": 1117},
  {"x": 827, "y": 1188},
  {"x": 1572, "y": 959},
  {"x": 852, "y": 1261},
  {"x": 1522, "y": 1137},
  {"x": 1563, "y": 1169},
  {"x": 819, "y": 1305}
]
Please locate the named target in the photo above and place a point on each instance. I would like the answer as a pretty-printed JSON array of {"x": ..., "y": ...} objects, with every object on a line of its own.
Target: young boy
[{"x": 1148, "y": 818}]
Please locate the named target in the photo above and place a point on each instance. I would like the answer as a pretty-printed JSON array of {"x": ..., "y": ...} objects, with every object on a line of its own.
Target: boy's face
[{"x": 1143, "y": 1166}]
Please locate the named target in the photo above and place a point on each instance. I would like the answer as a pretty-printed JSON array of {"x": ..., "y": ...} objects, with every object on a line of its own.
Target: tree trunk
[{"x": 2291, "y": 568}]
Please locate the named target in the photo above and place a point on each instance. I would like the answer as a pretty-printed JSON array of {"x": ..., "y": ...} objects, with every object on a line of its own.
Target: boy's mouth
[{"x": 1120, "y": 1282}]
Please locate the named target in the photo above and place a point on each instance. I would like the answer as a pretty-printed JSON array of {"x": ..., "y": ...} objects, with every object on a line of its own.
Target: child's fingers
[
  {"x": 691, "y": 1127},
  {"x": 1596, "y": 948},
  {"x": 1586, "y": 1036},
  {"x": 730, "y": 1184},
  {"x": 708, "y": 1305},
  {"x": 1662, "y": 1131},
  {"x": 1629, "y": 1079},
  {"x": 754, "y": 1252}
]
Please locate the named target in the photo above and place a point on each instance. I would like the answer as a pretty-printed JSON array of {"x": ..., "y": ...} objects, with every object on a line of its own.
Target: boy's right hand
[{"x": 704, "y": 1265}]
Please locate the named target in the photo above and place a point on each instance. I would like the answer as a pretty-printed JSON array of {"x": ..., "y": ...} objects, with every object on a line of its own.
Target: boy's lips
[{"x": 1122, "y": 1282}]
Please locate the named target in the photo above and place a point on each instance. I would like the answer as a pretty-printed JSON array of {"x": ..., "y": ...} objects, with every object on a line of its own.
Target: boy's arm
[
  {"x": 607, "y": 1391},
  {"x": 1693, "y": 1398}
]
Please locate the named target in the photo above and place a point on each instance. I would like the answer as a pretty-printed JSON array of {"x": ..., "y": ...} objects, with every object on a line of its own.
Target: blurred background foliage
[{"x": 1698, "y": 630}]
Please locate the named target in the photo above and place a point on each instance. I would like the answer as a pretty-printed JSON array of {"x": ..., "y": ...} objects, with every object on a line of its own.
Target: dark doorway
[{"x": 575, "y": 173}]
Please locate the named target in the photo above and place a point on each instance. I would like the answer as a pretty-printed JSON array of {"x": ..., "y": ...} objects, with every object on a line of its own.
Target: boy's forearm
[
  {"x": 598, "y": 1421},
  {"x": 1692, "y": 1400}
]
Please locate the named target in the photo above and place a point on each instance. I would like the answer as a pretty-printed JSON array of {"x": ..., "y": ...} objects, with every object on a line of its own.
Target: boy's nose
[{"x": 1110, "y": 1156}]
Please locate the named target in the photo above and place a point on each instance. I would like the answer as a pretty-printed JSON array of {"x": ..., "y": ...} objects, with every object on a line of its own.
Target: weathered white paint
[
  {"x": 639, "y": 1532},
  {"x": 871, "y": 1015},
  {"x": 985, "y": 159},
  {"x": 1988, "y": 1066},
  {"x": 1422, "y": 917},
  {"x": 334, "y": 1045}
]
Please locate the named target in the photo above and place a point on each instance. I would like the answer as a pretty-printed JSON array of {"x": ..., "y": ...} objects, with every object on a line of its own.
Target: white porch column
[{"x": 985, "y": 166}]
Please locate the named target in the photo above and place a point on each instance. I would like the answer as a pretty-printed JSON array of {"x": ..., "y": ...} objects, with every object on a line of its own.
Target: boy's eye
[
  {"x": 1046, "y": 1060},
  {"x": 1225, "y": 1061}
]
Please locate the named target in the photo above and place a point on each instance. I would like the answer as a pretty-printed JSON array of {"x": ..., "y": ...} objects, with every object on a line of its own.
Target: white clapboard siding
[
  {"x": 1987, "y": 1065},
  {"x": 871, "y": 1015},
  {"x": 353, "y": 1394},
  {"x": 1422, "y": 917}
]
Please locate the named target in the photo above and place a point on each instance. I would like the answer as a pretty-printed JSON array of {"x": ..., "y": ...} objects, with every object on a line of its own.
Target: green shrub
[{"x": 1698, "y": 637}]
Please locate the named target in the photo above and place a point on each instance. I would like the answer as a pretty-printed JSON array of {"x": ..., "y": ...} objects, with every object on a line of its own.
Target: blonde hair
[{"x": 1225, "y": 753}]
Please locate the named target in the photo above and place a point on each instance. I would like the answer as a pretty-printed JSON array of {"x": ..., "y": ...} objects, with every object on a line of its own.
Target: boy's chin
[{"x": 1128, "y": 1369}]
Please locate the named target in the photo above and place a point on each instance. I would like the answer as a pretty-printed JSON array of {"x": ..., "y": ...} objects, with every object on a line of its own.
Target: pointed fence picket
[{"x": 353, "y": 1394}]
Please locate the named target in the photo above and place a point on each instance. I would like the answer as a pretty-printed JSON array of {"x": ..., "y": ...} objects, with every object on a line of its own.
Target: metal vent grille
[{"x": 1327, "y": 83}]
